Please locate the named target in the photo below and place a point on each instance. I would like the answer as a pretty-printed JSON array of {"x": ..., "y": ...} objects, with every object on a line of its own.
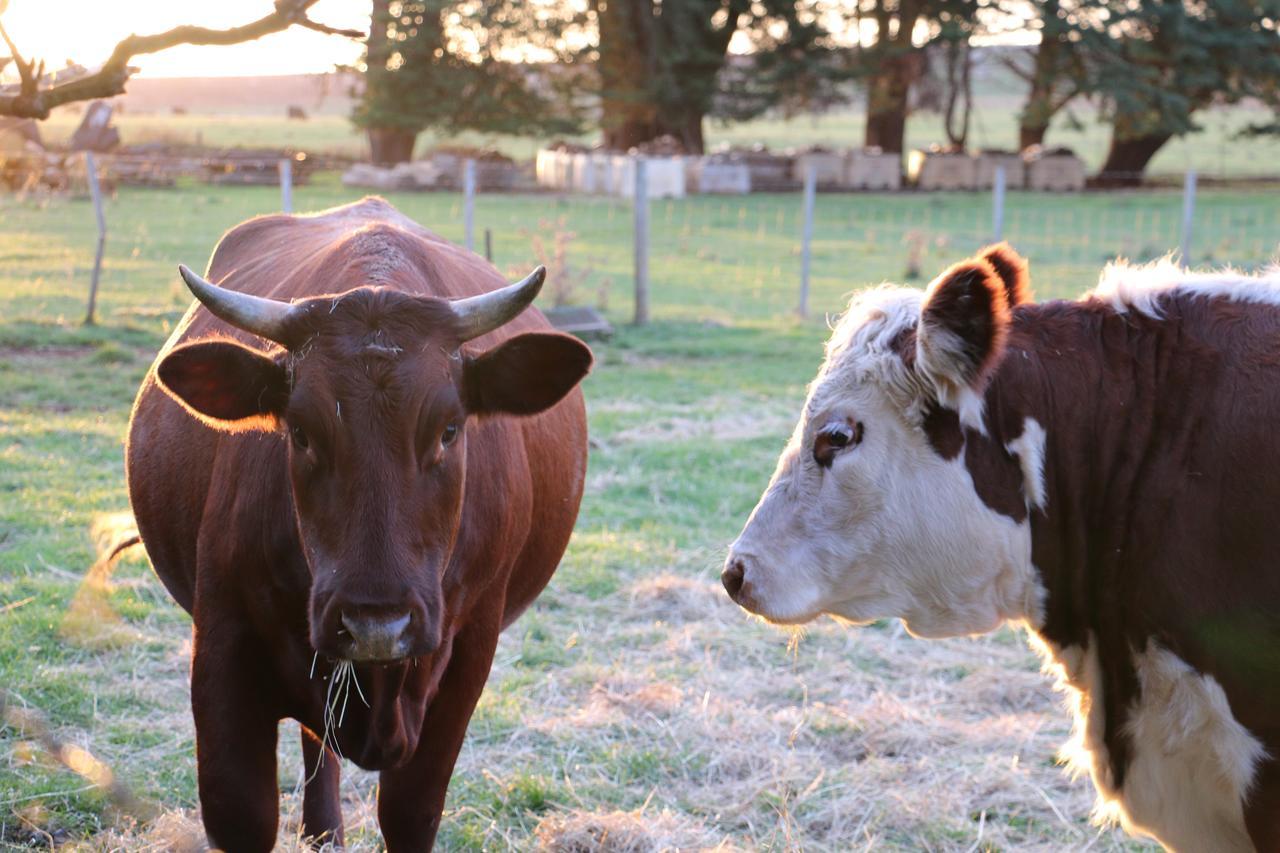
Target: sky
[{"x": 86, "y": 31}]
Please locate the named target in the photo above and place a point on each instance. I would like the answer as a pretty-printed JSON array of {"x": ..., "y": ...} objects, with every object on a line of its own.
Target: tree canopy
[{"x": 444, "y": 65}]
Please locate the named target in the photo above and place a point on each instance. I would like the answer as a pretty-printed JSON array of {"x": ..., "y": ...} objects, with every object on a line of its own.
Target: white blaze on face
[
  {"x": 889, "y": 529},
  {"x": 884, "y": 526}
]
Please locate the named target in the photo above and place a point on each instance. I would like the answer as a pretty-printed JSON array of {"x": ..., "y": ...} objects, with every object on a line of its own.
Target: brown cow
[
  {"x": 1105, "y": 471},
  {"x": 350, "y": 508}
]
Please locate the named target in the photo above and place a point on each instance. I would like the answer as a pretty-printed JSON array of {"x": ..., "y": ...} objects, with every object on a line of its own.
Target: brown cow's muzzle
[{"x": 371, "y": 633}]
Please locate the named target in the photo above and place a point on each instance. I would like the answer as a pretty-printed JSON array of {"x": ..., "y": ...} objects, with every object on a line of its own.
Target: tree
[
  {"x": 38, "y": 93},
  {"x": 1167, "y": 59},
  {"x": 664, "y": 67},
  {"x": 440, "y": 64},
  {"x": 894, "y": 59},
  {"x": 1057, "y": 72}
]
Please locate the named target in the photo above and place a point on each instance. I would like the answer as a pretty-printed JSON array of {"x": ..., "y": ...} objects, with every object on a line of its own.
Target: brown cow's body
[
  {"x": 216, "y": 513},
  {"x": 1105, "y": 471}
]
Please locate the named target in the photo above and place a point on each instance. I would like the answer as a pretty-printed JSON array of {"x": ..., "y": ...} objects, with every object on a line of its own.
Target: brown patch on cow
[
  {"x": 967, "y": 304},
  {"x": 997, "y": 475},
  {"x": 1013, "y": 271}
]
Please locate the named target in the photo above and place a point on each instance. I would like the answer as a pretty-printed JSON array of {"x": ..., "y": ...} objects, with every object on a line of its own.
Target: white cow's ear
[{"x": 964, "y": 323}]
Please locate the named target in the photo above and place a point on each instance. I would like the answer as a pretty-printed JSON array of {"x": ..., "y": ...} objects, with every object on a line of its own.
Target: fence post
[
  {"x": 488, "y": 245},
  {"x": 286, "y": 184},
  {"x": 997, "y": 205},
  {"x": 806, "y": 237},
  {"x": 469, "y": 202},
  {"x": 1188, "y": 215},
  {"x": 95, "y": 191},
  {"x": 640, "y": 202}
]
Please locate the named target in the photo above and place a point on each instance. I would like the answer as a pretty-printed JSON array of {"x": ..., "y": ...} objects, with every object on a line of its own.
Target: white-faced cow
[
  {"x": 1106, "y": 471},
  {"x": 327, "y": 474}
]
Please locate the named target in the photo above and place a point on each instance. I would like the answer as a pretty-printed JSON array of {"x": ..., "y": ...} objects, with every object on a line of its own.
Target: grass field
[
  {"x": 1216, "y": 151},
  {"x": 633, "y": 707}
]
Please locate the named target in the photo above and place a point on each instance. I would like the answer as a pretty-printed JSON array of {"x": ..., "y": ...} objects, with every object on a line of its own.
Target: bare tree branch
[{"x": 31, "y": 101}]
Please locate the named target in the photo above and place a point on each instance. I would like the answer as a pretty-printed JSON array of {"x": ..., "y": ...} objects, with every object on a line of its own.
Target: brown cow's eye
[
  {"x": 450, "y": 435},
  {"x": 299, "y": 437},
  {"x": 835, "y": 437}
]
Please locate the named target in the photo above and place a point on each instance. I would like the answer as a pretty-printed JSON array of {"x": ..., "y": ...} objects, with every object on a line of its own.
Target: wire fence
[
  {"x": 722, "y": 258},
  {"x": 733, "y": 259}
]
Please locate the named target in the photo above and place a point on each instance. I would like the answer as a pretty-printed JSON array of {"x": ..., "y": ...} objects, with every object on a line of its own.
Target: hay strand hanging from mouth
[{"x": 336, "y": 696}]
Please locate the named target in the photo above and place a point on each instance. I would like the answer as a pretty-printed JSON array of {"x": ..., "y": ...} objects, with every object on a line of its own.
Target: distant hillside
[{"x": 317, "y": 94}]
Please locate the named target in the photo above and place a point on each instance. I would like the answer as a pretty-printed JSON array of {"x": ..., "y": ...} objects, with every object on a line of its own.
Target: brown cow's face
[
  {"x": 864, "y": 519},
  {"x": 374, "y": 400}
]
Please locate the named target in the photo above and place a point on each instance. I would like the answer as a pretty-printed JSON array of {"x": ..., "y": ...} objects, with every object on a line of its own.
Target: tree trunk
[
  {"x": 898, "y": 64},
  {"x": 387, "y": 145},
  {"x": 887, "y": 94},
  {"x": 1127, "y": 159},
  {"x": 1031, "y": 134},
  {"x": 628, "y": 108},
  {"x": 391, "y": 145}
]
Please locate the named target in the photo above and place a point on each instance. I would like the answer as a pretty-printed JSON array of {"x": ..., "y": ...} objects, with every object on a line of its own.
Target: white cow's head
[{"x": 864, "y": 518}]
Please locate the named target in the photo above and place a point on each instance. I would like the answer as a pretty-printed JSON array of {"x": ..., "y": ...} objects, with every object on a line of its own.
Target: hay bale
[
  {"x": 770, "y": 172},
  {"x": 873, "y": 169},
  {"x": 369, "y": 176},
  {"x": 1053, "y": 169},
  {"x": 666, "y": 177},
  {"x": 828, "y": 166},
  {"x": 719, "y": 175},
  {"x": 942, "y": 170},
  {"x": 989, "y": 160}
]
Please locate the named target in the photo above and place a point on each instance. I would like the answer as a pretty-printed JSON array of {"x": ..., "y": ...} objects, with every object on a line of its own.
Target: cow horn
[
  {"x": 478, "y": 315},
  {"x": 266, "y": 318}
]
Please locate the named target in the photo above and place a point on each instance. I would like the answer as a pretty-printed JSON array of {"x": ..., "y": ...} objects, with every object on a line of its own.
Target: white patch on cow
[
  {"x": 1029, "y": 448},
  {"x": 1078, "y": 674},
  {"x": 890, "y": 529},
  {"x": 1140, "y": 287},
  {"x": 1191, "y": 763}
]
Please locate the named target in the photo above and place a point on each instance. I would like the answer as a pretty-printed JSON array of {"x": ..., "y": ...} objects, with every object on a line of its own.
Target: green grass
[
  {"x": 631, "y": 690},
  {"x": 1215, "y": 151}
]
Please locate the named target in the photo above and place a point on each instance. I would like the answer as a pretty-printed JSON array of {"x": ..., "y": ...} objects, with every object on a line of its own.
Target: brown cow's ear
[
  {"x": 1012, "y": 269},
  {"x": 524, "y": 375},
  {"x": 963, "y": 326},
  {"x": 227, "y": 385}
]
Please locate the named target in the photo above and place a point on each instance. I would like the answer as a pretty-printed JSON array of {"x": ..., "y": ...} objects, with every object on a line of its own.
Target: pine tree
[
  {"x": 439, "y": 64},
  {"x": 1168, "y": 59}
]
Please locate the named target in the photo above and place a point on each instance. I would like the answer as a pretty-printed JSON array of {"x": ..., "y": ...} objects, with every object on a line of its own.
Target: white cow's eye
[{"x": 835, "y": 437}]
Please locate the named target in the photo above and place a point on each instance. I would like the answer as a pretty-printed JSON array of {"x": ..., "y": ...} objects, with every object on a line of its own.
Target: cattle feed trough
[
  {"x": 296, "y": 463},
  {"x": 1103, "y": 472}
]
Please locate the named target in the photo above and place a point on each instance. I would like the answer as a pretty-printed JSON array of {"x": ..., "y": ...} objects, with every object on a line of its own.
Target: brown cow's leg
[
  {"x": 411, "y": 798},
  {"x": 235, "y": 750},
  {"x": 321, "y": 805}
]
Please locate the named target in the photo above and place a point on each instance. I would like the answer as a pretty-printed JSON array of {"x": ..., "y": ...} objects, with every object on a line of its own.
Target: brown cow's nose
[
  {"x": 732, "y": 577},
  {"x": 377, "y": 637}
]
